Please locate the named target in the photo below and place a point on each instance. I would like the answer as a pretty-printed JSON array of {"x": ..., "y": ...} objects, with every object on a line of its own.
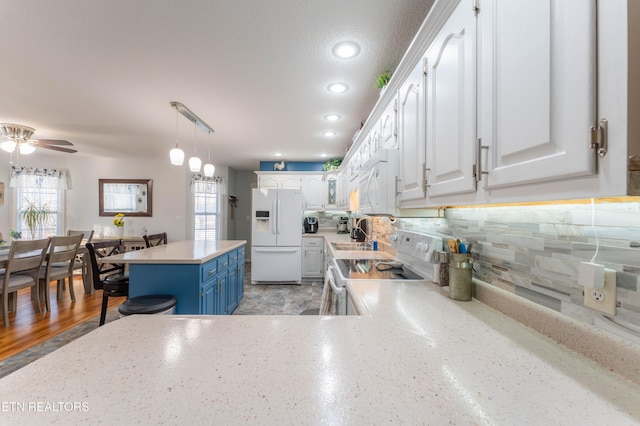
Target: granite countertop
[
  {"x": 413, "y": 357},
  {"x": 179, "y": 252}
]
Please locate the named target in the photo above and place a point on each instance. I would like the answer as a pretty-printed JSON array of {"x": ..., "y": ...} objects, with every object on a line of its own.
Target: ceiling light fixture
[
  {"x": 176, "y": 155},
  {"x": 346, "y": 50},
  {"x": 332, "y": 117},
  {"x": 338, "y": 87},
  {"x": 329, "y": 134},
  {"x": 194, "y": 162},
  {"x": 26, "y": 148},
  {"x": 17, "y": 135},
  {"x": 8, "y": 146},
  {"x": 197, "y": 121},
  {"x": 278, "y": 154},
  {"x": 209, "y": 169}
]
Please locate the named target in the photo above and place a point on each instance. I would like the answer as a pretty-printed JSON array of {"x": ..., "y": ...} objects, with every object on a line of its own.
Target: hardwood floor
[{"x": 28, "y": 328}]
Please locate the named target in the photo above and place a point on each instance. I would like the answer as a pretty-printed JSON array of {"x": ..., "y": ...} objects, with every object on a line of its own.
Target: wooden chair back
[
  {"x": 63, "y": 250},
  {"x": 86, "y": 235},
  {"x": 23, "y": 270},
  {"x": 155, "y": 239},
  {"x": 98, "y": 251},
  {"x": 26, "y": 255}
]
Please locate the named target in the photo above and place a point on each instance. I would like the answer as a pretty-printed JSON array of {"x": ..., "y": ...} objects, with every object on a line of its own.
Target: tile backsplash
[{"x": 535, "y": 251}]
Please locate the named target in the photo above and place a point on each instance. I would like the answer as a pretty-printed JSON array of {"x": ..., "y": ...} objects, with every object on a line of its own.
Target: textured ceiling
[{"x": 101, "y": 73}]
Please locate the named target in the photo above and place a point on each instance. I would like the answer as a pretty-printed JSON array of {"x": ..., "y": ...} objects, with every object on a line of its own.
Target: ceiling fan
[{"x": 18, "y": 135}]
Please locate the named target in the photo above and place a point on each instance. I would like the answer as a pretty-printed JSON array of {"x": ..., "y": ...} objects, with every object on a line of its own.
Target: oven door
[{"x": 334, "y": 294}]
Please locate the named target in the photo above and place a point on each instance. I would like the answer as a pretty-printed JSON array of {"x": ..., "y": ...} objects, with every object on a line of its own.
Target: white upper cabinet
[
  {"x": 411, "y": 139},
  {"x": 388, "y": 131},
  {"x": 281, "y": 180},
  {"x": 538, "y": 90},
  {"x": 331, "y": 191},
  {"x": 313, "y": 190},
  {"x": 269, "y": 182},
  {"x": 451, "y": 106}
]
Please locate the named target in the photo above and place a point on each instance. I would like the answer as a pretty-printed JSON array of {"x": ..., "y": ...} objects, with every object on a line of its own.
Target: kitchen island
[
  {"x": 414, "y": 356},
  {"x": 206, "y": 277}
]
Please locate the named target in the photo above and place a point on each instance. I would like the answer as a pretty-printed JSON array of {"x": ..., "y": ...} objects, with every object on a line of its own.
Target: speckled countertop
[
  {"x": 179, "y": 252},
  {"x": 413, "y": 357},
  {"x": 417, "y": 357}
]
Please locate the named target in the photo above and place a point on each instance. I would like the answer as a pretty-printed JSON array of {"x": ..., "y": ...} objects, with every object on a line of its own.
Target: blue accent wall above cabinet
[{"x": 292, "y": 166}]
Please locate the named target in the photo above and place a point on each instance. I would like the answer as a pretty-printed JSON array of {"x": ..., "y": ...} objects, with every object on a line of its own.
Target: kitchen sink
[{"x": 351, "y": 246}]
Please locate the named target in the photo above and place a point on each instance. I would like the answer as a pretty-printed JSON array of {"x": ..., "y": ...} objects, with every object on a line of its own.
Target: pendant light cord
[{"x": 195, "y": 149}]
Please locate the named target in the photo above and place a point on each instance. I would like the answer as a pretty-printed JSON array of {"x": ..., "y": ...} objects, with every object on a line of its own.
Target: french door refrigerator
[{"x": 276, "y": 235}]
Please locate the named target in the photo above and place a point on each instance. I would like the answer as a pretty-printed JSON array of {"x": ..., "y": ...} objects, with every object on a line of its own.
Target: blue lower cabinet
[
  {"x": 241, "y": 279},
  {"x": 208, "y": 298},
  {"x": 232, "y": 295},
  {"x": 221, "y": 294},
  {"x": 212, "y": 288}
]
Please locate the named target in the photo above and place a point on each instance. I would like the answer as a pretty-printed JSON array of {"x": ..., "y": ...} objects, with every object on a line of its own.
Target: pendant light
[
  {"x": 209, "y": 168},
  {"x": 194, "y": 162},
  {"x": 176, "y": 155}
]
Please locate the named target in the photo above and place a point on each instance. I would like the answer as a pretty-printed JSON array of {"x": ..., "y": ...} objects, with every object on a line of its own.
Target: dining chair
[
  {"x": 80, "y": 263},
  {"x": 22, "y": 271},
  {"x": 155, "y": 239},
  {"x": 59, "y": 266},
  {"x": 110, "y": 278}
]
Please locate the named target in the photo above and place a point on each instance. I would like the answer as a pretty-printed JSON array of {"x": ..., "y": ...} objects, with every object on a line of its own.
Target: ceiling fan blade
[
  {"x": 42, "y": 142},
  {"x": 58, "y": 148}
]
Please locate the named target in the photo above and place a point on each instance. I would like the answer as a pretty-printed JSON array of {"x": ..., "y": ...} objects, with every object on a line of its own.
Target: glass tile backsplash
[{"x": 535, "y": 251}]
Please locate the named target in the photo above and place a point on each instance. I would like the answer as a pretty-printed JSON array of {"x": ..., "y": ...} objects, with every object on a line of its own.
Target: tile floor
[
  {"x": 261, "y": 299},
  {"x": 277, "y": 299}
]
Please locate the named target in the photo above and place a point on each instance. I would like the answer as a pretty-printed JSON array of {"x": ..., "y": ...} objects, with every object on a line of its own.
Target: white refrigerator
[{"x": 276, "y": 235}]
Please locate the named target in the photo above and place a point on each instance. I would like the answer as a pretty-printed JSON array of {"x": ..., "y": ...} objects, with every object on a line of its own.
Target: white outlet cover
[{"x": 608, "y": 305}]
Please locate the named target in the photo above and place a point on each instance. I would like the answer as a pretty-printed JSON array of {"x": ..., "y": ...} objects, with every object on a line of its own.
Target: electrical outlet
[{"x": 603, "y": 299}]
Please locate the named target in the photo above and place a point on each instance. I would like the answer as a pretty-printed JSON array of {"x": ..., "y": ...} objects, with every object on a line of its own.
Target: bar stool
[{"x": 110, "y": 278}]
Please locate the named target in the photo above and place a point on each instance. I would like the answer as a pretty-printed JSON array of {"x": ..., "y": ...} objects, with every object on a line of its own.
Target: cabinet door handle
[{"x": 479, "y": 172}]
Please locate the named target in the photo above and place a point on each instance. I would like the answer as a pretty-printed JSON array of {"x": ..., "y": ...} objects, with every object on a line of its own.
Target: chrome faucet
[{"x": 367, "y": 237}]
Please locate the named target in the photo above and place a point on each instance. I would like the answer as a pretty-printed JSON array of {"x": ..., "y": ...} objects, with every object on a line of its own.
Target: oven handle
[{"x": 332, "y": 281}]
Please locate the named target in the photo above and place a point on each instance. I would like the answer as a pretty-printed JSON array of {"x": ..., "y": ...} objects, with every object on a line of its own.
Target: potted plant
[
  {"x": 34, "y": 216},
  {"x": 382, "y": 81},
  {"x": 331, "y": 164}
]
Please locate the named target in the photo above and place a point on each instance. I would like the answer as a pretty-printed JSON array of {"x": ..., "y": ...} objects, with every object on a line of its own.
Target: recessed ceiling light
[
  {"x": 324, "y": 155},
  {"x": 329, "y": 134},
  {"x": 278, "y": 154},
  {"x": 346, "y": 50},
  {"x": 338, "y": 87},
  {"x": 332, "y": 117}
]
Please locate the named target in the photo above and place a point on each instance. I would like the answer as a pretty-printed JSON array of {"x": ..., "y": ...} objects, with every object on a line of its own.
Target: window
[
  {"x": 41, "y": 188},
  {"x": 206, "y": 208}
]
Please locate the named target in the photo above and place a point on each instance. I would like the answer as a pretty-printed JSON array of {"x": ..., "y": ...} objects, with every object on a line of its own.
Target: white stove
[
  {"x": 417, "y": 250},
  {"x": 414, "y": 261}
]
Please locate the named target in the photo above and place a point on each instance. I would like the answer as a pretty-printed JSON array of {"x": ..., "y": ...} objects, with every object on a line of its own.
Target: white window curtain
[
  {"x": 31, "y": 176},
  {"x": 206, "y": 206}
]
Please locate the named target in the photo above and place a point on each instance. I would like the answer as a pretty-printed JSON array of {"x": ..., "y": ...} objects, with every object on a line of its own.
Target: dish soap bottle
[{"x": 374, "y": 243}]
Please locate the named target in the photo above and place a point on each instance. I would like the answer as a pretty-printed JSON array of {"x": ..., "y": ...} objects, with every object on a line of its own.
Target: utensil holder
[{"x": 460, "y": 277}]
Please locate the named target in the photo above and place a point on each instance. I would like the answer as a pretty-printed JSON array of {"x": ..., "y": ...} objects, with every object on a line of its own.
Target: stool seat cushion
[
  {"x": 148, "y": 304},
  {"x": 116, "y": 278}
]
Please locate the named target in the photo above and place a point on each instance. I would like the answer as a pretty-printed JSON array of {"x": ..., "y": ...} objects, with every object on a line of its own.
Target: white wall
[
  {"x": 171, "y": 207},
  {"x": 244, "y": 182}
]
